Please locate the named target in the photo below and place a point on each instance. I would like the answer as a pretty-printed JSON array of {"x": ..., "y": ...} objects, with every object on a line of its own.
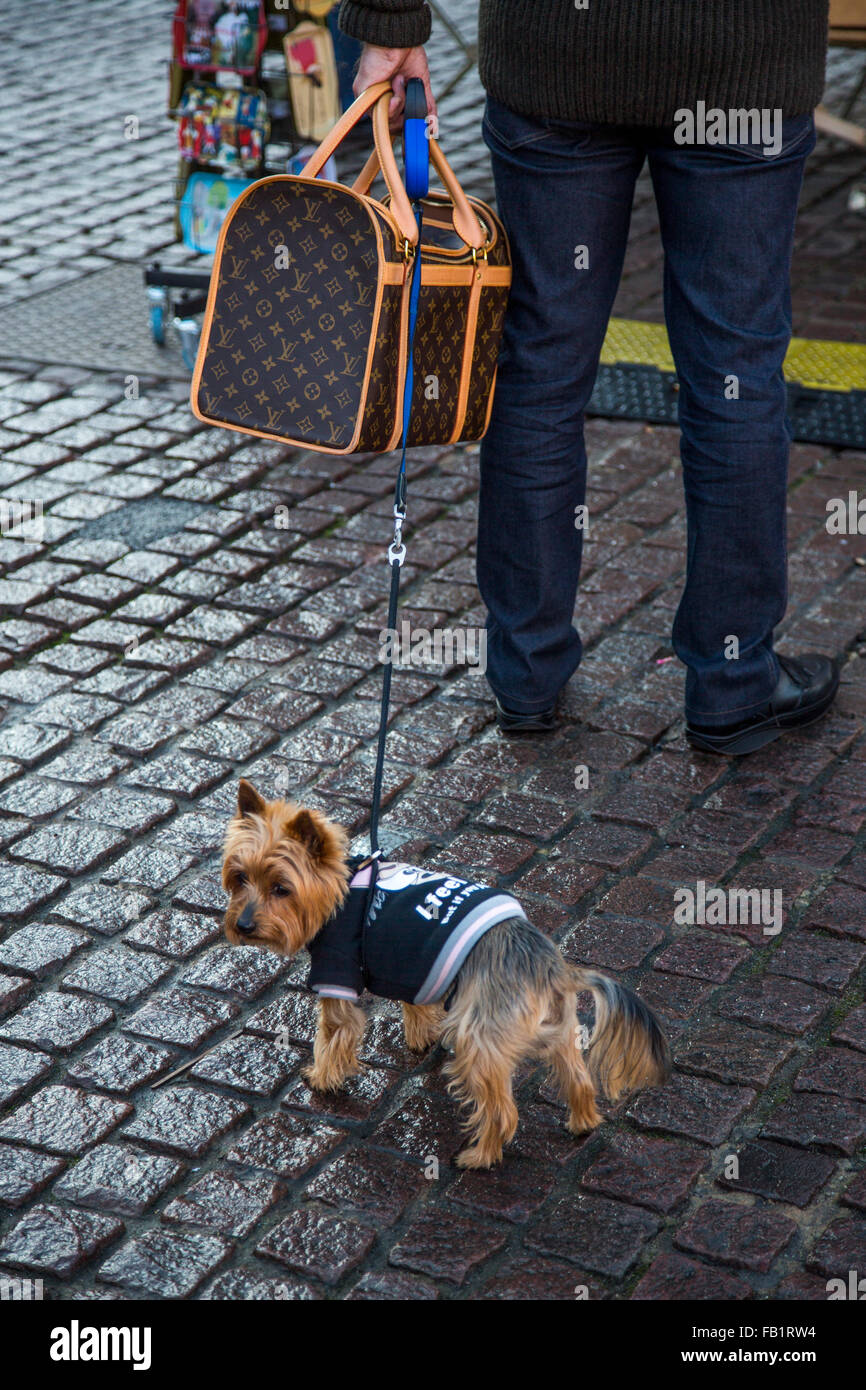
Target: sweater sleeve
[
  {"x": 335, "y": 951},
  {"x": 386, "y": 23}
]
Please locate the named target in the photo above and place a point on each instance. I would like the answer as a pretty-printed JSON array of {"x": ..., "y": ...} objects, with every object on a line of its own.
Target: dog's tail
[{"x": 628, "y": 1049}]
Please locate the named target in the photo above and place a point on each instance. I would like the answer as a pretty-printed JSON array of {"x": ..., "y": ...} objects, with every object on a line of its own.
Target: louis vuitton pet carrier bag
[{"x": 305, "y": 338}]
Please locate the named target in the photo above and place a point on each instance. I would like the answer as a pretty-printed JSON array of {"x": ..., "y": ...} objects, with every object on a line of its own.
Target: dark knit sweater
[{"x": 628, "y": 62}]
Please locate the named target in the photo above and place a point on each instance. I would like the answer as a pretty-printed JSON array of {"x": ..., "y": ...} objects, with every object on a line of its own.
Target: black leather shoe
[
  {"x": 806, "y": 690},
  {"x": 512, "y": 723}
]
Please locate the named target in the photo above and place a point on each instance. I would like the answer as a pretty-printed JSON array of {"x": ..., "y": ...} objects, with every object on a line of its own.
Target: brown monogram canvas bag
[{"x": 305, "y": 332}]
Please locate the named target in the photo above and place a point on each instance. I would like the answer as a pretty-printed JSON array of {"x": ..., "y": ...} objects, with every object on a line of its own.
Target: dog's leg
[
  {"x": 488, "y": 1037},
  {"x": 422, "y": 1024},
  {"x": 482, "y": 1077},
  {"x": 335, "y": 1050},
  {"x": 563, "y": 1052}
]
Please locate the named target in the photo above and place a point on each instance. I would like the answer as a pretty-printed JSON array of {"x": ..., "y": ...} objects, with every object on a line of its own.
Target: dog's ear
[
  {"x": 307, "y": 828},
  {"x": 249, "y": 801}
]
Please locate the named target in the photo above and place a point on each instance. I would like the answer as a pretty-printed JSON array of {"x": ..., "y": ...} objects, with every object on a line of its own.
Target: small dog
[{"x": 508, "y": 993}]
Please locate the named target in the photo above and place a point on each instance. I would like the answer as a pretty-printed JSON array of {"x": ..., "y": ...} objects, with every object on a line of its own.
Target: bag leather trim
[{"x": 468, "y": 356}]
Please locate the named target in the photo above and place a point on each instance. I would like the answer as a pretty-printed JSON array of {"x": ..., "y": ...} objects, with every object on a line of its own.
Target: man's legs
[
  {"x": 727, "y": 221},
  {"x": 564, "y": 192}
]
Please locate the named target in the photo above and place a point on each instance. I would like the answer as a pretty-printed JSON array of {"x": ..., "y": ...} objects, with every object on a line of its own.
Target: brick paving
[{"x": 165, "y": 636}]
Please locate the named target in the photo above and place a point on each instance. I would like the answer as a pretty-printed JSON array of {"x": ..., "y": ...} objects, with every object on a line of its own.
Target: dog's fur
[{"x": 515, "y": 997}]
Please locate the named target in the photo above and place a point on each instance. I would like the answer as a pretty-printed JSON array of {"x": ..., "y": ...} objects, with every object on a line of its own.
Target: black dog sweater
[{"x": 420, "y": 930}]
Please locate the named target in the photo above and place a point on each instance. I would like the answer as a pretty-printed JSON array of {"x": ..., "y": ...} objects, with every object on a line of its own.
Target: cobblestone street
[{"x": 164, "y": 637}]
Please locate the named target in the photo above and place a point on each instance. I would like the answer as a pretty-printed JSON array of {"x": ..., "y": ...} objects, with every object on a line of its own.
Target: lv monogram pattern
[
  {"x": 287, "y": 349},
  {"x": 382, "y": 404},
  {"x": 439, "y": 338},
  {"x": 295, "y": 322},
  {"x": 491, "y": 316}
]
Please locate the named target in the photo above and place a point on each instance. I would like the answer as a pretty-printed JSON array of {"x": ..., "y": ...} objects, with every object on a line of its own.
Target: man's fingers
[
  {"x": 374, "y": 69},
  {"x": 428, "y": 92},
  {"x": 398, "y": 100}
]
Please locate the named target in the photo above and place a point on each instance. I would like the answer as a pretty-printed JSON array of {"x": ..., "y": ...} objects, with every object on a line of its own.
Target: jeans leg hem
[{"x": 720, "y": 719}]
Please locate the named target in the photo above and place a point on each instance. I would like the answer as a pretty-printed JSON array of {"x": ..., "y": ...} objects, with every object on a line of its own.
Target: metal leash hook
[{"x": 397, "y": 549}]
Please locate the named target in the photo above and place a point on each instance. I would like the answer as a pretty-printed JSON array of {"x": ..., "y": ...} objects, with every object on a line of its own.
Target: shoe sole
[
  {"x": 539, "y": 723},
  {"x": 529, "y": 727},
  {"x": 733, "y": 745}
]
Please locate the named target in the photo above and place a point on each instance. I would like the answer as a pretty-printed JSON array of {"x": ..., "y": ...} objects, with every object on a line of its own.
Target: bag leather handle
[
  {"x": 364, "y": 182},
  {"x": 466, "y": 224},
  {"x": 400, "y": 204},
  {"x": 379, "y": 97},
  {"x": 360, "y": 106}
]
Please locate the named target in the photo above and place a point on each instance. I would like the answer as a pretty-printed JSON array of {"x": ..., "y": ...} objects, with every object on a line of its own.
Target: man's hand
[{"x": 396, "y": 65}]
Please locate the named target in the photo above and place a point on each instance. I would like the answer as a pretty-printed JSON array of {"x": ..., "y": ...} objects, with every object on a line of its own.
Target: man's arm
[
  {"x": 393, "y": 33},
  {"x": 386, "y": 23}
]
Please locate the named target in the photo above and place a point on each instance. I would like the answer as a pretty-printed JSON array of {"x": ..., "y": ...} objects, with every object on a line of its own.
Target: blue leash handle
[{"x": 416, "y": 152}]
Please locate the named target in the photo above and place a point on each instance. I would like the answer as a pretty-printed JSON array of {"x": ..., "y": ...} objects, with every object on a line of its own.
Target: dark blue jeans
[{"x": 727, "y": 218}]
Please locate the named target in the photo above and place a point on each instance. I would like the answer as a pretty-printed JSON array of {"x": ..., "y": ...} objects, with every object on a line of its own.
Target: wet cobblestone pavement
[{"x": 164, "y": 637}]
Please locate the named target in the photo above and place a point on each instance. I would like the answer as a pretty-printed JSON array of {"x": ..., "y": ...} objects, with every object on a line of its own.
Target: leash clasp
[
  {"x": 397, "y": 550},
  {"x": 374, "y": 854}
]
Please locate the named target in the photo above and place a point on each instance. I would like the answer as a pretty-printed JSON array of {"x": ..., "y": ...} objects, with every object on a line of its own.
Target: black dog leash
[
  {"x": 416, "y": 152},
  {"x": 396, "y": 556}
]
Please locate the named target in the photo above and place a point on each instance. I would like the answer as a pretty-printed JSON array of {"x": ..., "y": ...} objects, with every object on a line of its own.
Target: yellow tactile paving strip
[{"x": 813, "y": 362}]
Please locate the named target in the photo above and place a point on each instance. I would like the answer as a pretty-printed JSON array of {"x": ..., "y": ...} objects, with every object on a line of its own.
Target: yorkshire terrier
[{"x": 468, "y": 967}]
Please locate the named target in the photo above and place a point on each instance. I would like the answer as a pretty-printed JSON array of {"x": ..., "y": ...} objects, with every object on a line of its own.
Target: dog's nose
[{"x": 245, "y": 922}]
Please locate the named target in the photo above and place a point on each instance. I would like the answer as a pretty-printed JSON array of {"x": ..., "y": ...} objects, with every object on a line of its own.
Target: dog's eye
[
  {"x": 240, "y": 879},
  {"x": 280, "y": 890}
]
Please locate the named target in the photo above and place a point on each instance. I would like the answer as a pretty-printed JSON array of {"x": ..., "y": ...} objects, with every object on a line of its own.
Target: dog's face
[{"x": 285, "y": 870}]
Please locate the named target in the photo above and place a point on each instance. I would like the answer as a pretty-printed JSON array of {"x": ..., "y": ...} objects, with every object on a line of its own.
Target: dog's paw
[
  {"x": 422, "y": 1025},
  {"x": 318, "y": 1079},
  {"x": 476, "y": 1157},
  {"x": 584, "y": 1124}
]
